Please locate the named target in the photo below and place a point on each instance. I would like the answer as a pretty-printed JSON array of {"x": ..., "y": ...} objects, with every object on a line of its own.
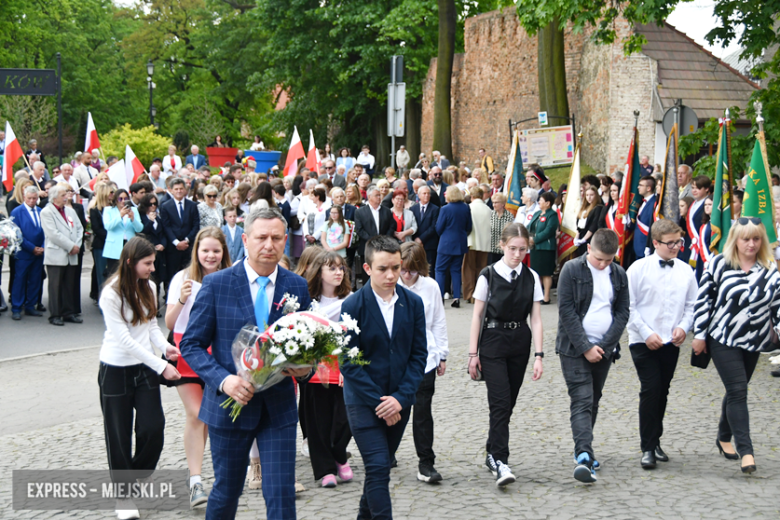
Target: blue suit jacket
[
  {"x": 223, "y": 306},
  {"x": 453, "y": 226},
  {"x": 426, "y": 227},
  {"x": 646, "y": 217},
  {"x": 117, "y": 228},
  {"x": 32, "y": 235},
  {"x": 235, "y": 247},
  {"x": 397, "y": 361},
  {"x": 196, "y": 161}
]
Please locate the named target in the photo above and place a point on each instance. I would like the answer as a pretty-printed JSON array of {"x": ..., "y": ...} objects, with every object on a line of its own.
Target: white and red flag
[
  {"x": 294, "y": 154},
  {"x": 313, "y": 160},
  {"x": 92, "y": 141},
  {"x": 13, "y": 152},
  {"x": 133, "y": 166}
]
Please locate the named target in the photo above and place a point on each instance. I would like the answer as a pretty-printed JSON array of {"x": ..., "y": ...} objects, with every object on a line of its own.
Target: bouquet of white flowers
[
  {"x": 10, "y": 237},
  {"x": 297, "y": 340}
]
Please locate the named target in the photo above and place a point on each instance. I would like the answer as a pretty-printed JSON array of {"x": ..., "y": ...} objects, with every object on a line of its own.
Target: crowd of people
[{"x": 226, "y": 247}]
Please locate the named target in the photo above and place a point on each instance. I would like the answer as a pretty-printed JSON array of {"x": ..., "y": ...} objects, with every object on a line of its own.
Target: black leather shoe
[
  {"x": 730, "y": 456},
  {"x": 455, "y": 304},
  {"x": 775, "y": 373},
  {"x": 32, "y": 312},
  {"x": 40, "y": 307},
  {"x": 648, "y": 460},
  {"x": 660, "y": 456},
  {"x": 72, "y": 319},
  {"x": 56, "y": 321},
  {"x": 16, "y": 316},
  {"x": 4, "y": 308}
]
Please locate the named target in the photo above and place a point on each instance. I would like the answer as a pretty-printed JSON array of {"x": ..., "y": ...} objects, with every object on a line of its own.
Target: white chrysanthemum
[
  {"x": 291, "y": 348},
  {"x": 275, "y": 351},
  {"x": 336, "y": 352},
  {"x": 347, "y": 339},
  {"x": 353, "y": 352}
]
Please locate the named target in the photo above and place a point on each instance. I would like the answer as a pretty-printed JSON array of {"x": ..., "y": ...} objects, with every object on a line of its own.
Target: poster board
[{"x": 547, "y": 146}]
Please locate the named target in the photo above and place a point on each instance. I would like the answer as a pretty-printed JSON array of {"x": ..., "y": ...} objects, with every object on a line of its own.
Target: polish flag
[
  {"x": 294, "y": 154},
  {"x": 92, "y": 140},
  {"x": 133, "y": 166},
  {"x": 313, "y": 160},
  {"x": 13, "y": 152}
]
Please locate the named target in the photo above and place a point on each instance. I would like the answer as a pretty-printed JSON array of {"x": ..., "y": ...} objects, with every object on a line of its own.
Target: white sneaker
[
  {"x": 126, "y": 510},
  {"x": 447, "y": 296},
  {"x": 305, "y": 448},
  {"x": 775, "y": 360},
  {"x": 504, "y": 474}
]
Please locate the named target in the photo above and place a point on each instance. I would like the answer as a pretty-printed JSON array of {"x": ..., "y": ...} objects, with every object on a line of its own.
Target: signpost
[
  {"x": 396, "y": 104},
  {"x": 542, "y": 118},
  {"x": 35, "y": 82}
]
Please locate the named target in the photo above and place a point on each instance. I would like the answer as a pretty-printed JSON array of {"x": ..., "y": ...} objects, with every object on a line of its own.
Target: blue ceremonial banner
[{"x": 515, "y": 176}]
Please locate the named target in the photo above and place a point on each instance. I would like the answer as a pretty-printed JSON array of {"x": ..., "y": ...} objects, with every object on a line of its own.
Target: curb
[{"x": 52, "y": 353}]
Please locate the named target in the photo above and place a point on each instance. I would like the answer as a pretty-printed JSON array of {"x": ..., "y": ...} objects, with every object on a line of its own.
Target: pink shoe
[
  {"x": 329, "y": 481},
  {"x": 345, "y": 472}
]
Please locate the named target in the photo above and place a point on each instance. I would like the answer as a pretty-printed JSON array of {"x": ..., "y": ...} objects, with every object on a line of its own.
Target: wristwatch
[{"x": 539, "y": 354}]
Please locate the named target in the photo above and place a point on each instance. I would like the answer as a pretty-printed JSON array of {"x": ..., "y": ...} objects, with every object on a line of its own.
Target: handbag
[
  {"x": 482, "y": 324},
  {"x": 701, "y": 361}
]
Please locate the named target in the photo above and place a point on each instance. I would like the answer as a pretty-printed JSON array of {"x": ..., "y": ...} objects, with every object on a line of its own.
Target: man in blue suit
[
  {"x": 437, "y": 184},
  {"x": 29, "y": 261},
  {"x": 195, "y": 159},
  {"x": 426, "y": 214},
  {"x": 645, "y": 215},
  {"x": 251, "y": 293},
  {"x": 379, "y": 396}
]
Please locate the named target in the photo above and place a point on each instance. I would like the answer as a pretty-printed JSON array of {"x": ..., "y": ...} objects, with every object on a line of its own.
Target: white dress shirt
[
  {"x": 125, "y": 344},
  {"x": 662, "y": 298},
  {"x": 388, "y": 310},
  {"x": 598, "y": 319},
  {"x": 435, "y": 320},
  {"x": 505, "y": 272},
  {"x": 365, "y": 159},
  {"x": 375, "y": 214}
]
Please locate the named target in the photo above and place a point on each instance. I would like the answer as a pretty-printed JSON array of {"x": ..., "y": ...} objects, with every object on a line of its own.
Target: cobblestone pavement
[{"x": 696, "y": 483}]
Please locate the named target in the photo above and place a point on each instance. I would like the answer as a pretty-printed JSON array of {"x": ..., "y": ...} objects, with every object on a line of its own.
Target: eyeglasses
[
  {"x": 743, "y": 221},
  {"x": 674, "y": 244},
  {"x": 334, "y": 268},
  {"x": 410, "y": 273}
]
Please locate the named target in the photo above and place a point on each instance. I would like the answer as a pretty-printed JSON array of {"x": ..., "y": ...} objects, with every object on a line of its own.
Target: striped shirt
[{"x": 737, "y": 308}]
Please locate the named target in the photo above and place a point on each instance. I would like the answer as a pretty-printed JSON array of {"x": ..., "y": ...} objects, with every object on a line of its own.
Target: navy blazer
[
  {"x": 439, "y": 201},
  {"x": 176, "y": 228},
  {"x": 349, "y": 212},
  {"x": 155, "y": 236},
  {"x": 223, "y": 306},
  {"x": 645, "y": 217},
  {"x": 453, "y": 226},
  {"x": 196, "y": 161},
  {"x": 426, "y": 227},
  {"x": 235, "y": 246},
  {"x": 396, "y": 362},
  {"x": 32, "y": 234}
]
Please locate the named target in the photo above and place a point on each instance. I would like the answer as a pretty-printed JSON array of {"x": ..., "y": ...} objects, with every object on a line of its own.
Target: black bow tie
[{"x": 666, "y": 263}]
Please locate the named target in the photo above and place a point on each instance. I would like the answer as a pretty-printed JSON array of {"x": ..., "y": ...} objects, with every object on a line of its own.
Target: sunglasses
[
  {"x": 211, "y": 196},
  {"x": 743, "y": 221},
  {"x": 153, "y": 203},
  {"x": 122, "y": 199},
  {"x": 330, "y": 168}
]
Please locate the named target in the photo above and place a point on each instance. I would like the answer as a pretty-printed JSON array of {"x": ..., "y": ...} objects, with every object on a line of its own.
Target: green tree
[{"x": 145, "y": 142}]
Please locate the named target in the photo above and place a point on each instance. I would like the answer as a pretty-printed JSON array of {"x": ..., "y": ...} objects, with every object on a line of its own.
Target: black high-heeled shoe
[
  {"x": 730, "y": 456},
  {"x": 751, "y": 468}
]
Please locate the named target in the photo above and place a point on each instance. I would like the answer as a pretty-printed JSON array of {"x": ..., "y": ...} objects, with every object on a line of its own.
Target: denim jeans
[
  {"x": 377, "y": 443},
  {"x": 585, "y": 381}
]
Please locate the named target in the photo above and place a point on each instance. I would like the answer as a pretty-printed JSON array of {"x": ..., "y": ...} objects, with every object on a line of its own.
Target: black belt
[{"x": 495, "y": 324}]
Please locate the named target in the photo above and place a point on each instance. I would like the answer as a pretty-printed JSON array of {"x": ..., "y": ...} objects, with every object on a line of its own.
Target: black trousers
[
  {"x": 64, "y": 290},
  {"x": 422, "y": 419},
  {"x": 123, "y": 391},
  {"x": 430, "y": 254},
  {"x": 585, "y": 381},
  {"x": 504, "y": 359},
  {"x": 735, "y": 367},
  {"x": 327, "y": 427},
  {"x": 655, "y": 369}
]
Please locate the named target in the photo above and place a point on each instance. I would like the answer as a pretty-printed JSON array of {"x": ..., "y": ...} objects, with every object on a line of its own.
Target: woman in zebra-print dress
[{"x": 738, "y": 305}]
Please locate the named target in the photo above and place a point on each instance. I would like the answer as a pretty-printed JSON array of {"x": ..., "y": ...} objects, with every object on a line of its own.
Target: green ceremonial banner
[
  {"x": 515, "y": 177},
  {"x": 758, "y": 192},
  {"x": 721, "y": 200}
]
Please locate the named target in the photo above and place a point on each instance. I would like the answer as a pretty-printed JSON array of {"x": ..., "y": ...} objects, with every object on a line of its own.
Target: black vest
[{"x": 509, "y": 301}]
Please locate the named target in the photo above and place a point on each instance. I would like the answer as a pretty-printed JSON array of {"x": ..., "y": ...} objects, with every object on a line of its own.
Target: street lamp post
[{"x": 150, "y": 72}]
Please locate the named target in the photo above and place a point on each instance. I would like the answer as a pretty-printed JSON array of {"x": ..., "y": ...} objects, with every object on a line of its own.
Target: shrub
[{"x": 146, "y": 144}]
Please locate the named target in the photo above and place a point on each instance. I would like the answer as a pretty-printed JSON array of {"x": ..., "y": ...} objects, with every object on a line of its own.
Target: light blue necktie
[{"x": 261, "y": 303}]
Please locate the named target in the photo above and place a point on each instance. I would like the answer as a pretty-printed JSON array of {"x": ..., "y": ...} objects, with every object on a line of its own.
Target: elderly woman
[
  {"x": 479, "y": 242},
  {"x": 384, "y": 187},
  {"x": 453, "y": 227},
  {"x": 405, "y": 223},
  {"x": 209, "y": 210},
  {"x": 499, "y": 219},
  {"x": 525, "y": 213},
  {"x": 481, "y": 175}
]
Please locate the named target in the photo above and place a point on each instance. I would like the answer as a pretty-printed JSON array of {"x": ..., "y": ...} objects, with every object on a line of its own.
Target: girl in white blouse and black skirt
[
  {"x": 129, "y": 376},
  {"x": 737, "y": 305}
]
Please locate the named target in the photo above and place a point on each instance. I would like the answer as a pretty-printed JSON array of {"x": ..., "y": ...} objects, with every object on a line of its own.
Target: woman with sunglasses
[
  {"x": 154, "y": 233},
  {"x": 122, "y": 221},
  {"x": 209, "y": 210},
  {"x": 737, "y": 303}
]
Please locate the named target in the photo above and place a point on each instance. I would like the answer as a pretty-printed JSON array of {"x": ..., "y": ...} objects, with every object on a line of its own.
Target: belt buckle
[
  {"x": 512, "y": 325},
  {"x": 490, "y": 325}
]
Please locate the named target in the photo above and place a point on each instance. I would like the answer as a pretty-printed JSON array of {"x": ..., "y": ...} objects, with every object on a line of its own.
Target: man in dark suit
[
  {"x": 426, "y": 214},
  {"x": 437, "y": 185},
  {"x": 29, "y": 261},
  {"x": 195, "y": 159},
  {"x": 250, "y": 291},
  {"x": 379, "y": 395},
  {"x": 645, "y": 215},
  {"x": 371, "y": 220},
  {"x": 34, "y": 151},
  {"x": 337, "y": 180},
  {"x": 419, "y": 183},
  {"x": 181, "y": 223}
]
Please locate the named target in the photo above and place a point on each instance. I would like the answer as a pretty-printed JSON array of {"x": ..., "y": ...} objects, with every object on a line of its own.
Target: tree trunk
[
  {"x": 413, "y": 136},
  {"x": 552, "y": 74},
  {"x": 382, "y": 151},
  {"x": 442, "y": 120}
]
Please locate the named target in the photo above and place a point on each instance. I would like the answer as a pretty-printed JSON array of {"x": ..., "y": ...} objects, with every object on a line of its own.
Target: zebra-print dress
[{"x": 737, "y": 308}]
